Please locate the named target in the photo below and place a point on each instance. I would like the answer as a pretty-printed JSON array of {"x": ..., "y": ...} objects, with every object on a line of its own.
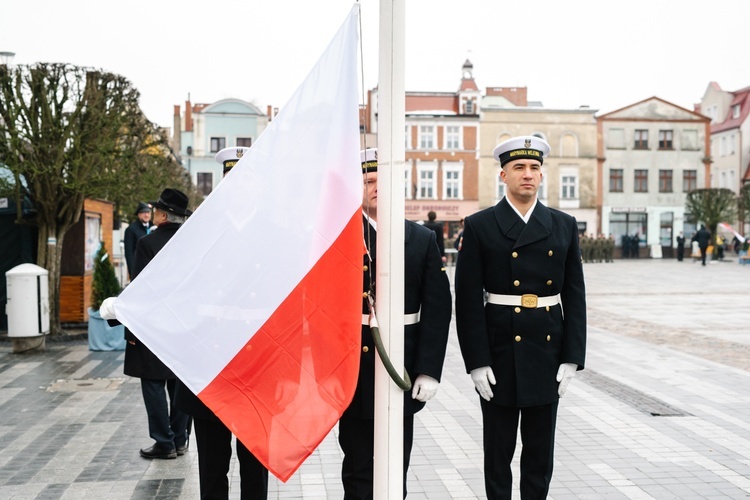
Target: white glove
[
  {"x": 482, "y": 378},
  {"x": 107, "y": 309},
  {"x": 565, "y": 374},
  {"x": 425, "y": 388}
]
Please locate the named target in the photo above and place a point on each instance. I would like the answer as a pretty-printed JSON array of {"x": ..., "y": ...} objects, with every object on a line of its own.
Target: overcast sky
[{"x": 605, "y": 54}]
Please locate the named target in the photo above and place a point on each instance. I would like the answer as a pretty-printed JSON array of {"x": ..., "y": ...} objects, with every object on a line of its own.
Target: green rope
[{"x": 403, "y": 383}]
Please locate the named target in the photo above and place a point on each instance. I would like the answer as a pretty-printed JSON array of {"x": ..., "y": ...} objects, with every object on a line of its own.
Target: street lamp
[{"x": 6, "y": 58}]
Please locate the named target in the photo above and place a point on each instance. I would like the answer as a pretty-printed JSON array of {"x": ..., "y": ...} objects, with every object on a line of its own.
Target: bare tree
[
  {"x": 711, "y": 206},
  {"x": 743, "y": 206},
  {"x": 68, "y": 133}
]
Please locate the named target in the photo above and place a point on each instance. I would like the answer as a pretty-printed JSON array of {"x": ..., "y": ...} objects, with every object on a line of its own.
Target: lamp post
[{"x": 6, "y": 58}]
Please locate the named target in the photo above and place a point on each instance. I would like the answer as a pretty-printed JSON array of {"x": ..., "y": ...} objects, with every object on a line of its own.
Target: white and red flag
[{"x": 255, "y": 303}]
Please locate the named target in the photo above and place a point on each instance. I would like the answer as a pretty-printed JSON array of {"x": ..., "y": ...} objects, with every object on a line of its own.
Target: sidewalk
[{"x": 660, "y": 411}]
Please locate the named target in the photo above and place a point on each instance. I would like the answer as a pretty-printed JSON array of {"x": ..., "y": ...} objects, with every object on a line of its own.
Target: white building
[
  {"x": 652, "y": 153},
  {"x": 202, "y": 130}
]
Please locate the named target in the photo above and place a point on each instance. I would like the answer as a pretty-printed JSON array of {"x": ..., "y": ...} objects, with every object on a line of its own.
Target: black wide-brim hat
[{"x": 172, "y": 201}]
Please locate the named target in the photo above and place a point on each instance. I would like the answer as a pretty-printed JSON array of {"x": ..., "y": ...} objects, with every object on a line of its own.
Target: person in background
[
  {"x": 680, "y": 247},
  {"x": 437, "y": 228},
  {"x": 702, "y": 237},
  {"x": 167, "y": 425},
  {"x": 135, "y": 231},
  {"x": 519, "y": 348}
]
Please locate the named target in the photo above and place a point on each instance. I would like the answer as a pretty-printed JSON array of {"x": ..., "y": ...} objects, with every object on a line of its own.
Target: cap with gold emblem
[
  {"x": 369, "y": 158},
  {"x": 230, "y": 156},
  {"x": 525, "y": 146}
]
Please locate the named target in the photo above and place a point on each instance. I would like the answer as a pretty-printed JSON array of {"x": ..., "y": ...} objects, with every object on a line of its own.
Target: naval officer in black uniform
[
  {"x": 524, "y": 344},
  {"x": 213, "y": 438},
  {"x": 427, "y": 318}
]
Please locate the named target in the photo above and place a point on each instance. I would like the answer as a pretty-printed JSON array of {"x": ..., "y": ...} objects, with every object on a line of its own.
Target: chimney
[
  {"x": 188, "y": 116},
  {"x": 516, "y": 95},
  {"x": 176, "y": 127}
]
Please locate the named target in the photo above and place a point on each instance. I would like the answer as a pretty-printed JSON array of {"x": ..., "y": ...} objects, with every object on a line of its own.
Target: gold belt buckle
[{"x": 529, "y": 300}]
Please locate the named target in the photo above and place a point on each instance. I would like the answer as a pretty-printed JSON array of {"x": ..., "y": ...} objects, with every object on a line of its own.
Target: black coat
[
  {"x": 703, "y": 237},
  {"x": 425, "y": 285},
  {"x": 135, "y": 231},
  {"x": 139, "y": 360},
  {"x": 437, "y": 228},
  {"x": 524, "y": 347}
]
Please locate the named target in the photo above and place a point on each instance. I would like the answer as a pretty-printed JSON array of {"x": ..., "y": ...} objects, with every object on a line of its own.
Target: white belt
[
  {"x": 528, "y": 300},
  {"x": 409, "y": 319}
]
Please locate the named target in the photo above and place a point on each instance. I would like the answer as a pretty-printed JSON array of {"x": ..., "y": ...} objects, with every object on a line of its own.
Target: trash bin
[{"x": 28, "y": 301}]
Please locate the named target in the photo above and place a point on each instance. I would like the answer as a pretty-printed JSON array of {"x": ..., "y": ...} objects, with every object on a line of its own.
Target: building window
[
  {"x": 205, "y": 182},
  {"x": 665, "y": 139},
  {"x": 407, "y": 137},
  {"x": 407, "y": 182},
  {"x": 568, "y": 184},
  {"x": 469, "y": 106},
  {"x": 615, "y": 180},
  {"x": 452, "y": 181},
  {"x": 218, "y": 143},
  {"x": 640, "y": 183},
  {"x": 665, "y": 181},
  {"x": 625, "y": 226},
  {"x": 427, "y": 181},
  {"x": 452, "y": 137},
  {"x": 736, "y": 111},
  {"x": 244, "y": 142},
  {"x": 641, "y": 139},
  {"x": 426, "y": 136}
]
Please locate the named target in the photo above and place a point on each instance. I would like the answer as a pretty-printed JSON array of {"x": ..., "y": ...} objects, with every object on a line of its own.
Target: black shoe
[
  {"x": 182, "y": 449},
  {"x": 157, "y": 451}
]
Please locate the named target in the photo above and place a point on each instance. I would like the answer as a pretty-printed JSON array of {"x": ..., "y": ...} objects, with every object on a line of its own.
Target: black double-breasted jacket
[
  {"x": 139, "y": 360},
  {"x": 501, "y": 254},
  {"x": 426, "y": 289}
]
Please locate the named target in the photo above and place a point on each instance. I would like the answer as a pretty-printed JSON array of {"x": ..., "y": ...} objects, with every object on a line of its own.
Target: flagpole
[{"x": 389, "y": 399}]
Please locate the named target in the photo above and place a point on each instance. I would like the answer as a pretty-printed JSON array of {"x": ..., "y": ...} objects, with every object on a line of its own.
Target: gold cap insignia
[
  {"x": 527, "y": 143},
  {"x": 239, "y": 153}
]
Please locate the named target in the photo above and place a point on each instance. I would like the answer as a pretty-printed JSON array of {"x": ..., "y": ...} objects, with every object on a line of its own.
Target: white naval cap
[
  {"x": 230, "y": 156},
  {"x": 525, "y": 146},
  {"x": 369, "y": 159}
]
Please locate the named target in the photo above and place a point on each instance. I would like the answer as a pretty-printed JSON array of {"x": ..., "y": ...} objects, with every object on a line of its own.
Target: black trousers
[
  {"x": 357, "y": 440},
  {"x": 214, "y": 442},
  {"x": 167, "y": 425},
  {"x": 537, "y": 453}
]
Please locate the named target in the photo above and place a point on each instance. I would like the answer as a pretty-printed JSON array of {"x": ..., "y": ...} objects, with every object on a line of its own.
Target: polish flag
[{"x": 255, "y": 303}]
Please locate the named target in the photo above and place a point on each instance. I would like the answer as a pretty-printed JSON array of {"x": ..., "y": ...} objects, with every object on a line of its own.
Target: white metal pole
[{"x": 389, "y": 282}]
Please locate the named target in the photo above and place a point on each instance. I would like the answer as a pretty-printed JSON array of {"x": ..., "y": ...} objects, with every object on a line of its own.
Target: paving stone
[{"x": 660, "y": 333}]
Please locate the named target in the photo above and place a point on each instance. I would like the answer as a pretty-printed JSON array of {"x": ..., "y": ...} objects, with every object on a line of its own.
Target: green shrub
[{"x": 105, "y": 282}]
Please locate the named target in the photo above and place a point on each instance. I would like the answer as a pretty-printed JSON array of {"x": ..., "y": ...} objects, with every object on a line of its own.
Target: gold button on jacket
[
  {"x": 518, "y": 338},
  {"x": 365, "y": 349}
]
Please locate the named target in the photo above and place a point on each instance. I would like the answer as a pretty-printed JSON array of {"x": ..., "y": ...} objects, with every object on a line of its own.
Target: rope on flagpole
[{"x": 403, "y": 383}]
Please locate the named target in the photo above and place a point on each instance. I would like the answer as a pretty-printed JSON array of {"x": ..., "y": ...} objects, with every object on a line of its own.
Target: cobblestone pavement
[{"x": 660, "y": 412}]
